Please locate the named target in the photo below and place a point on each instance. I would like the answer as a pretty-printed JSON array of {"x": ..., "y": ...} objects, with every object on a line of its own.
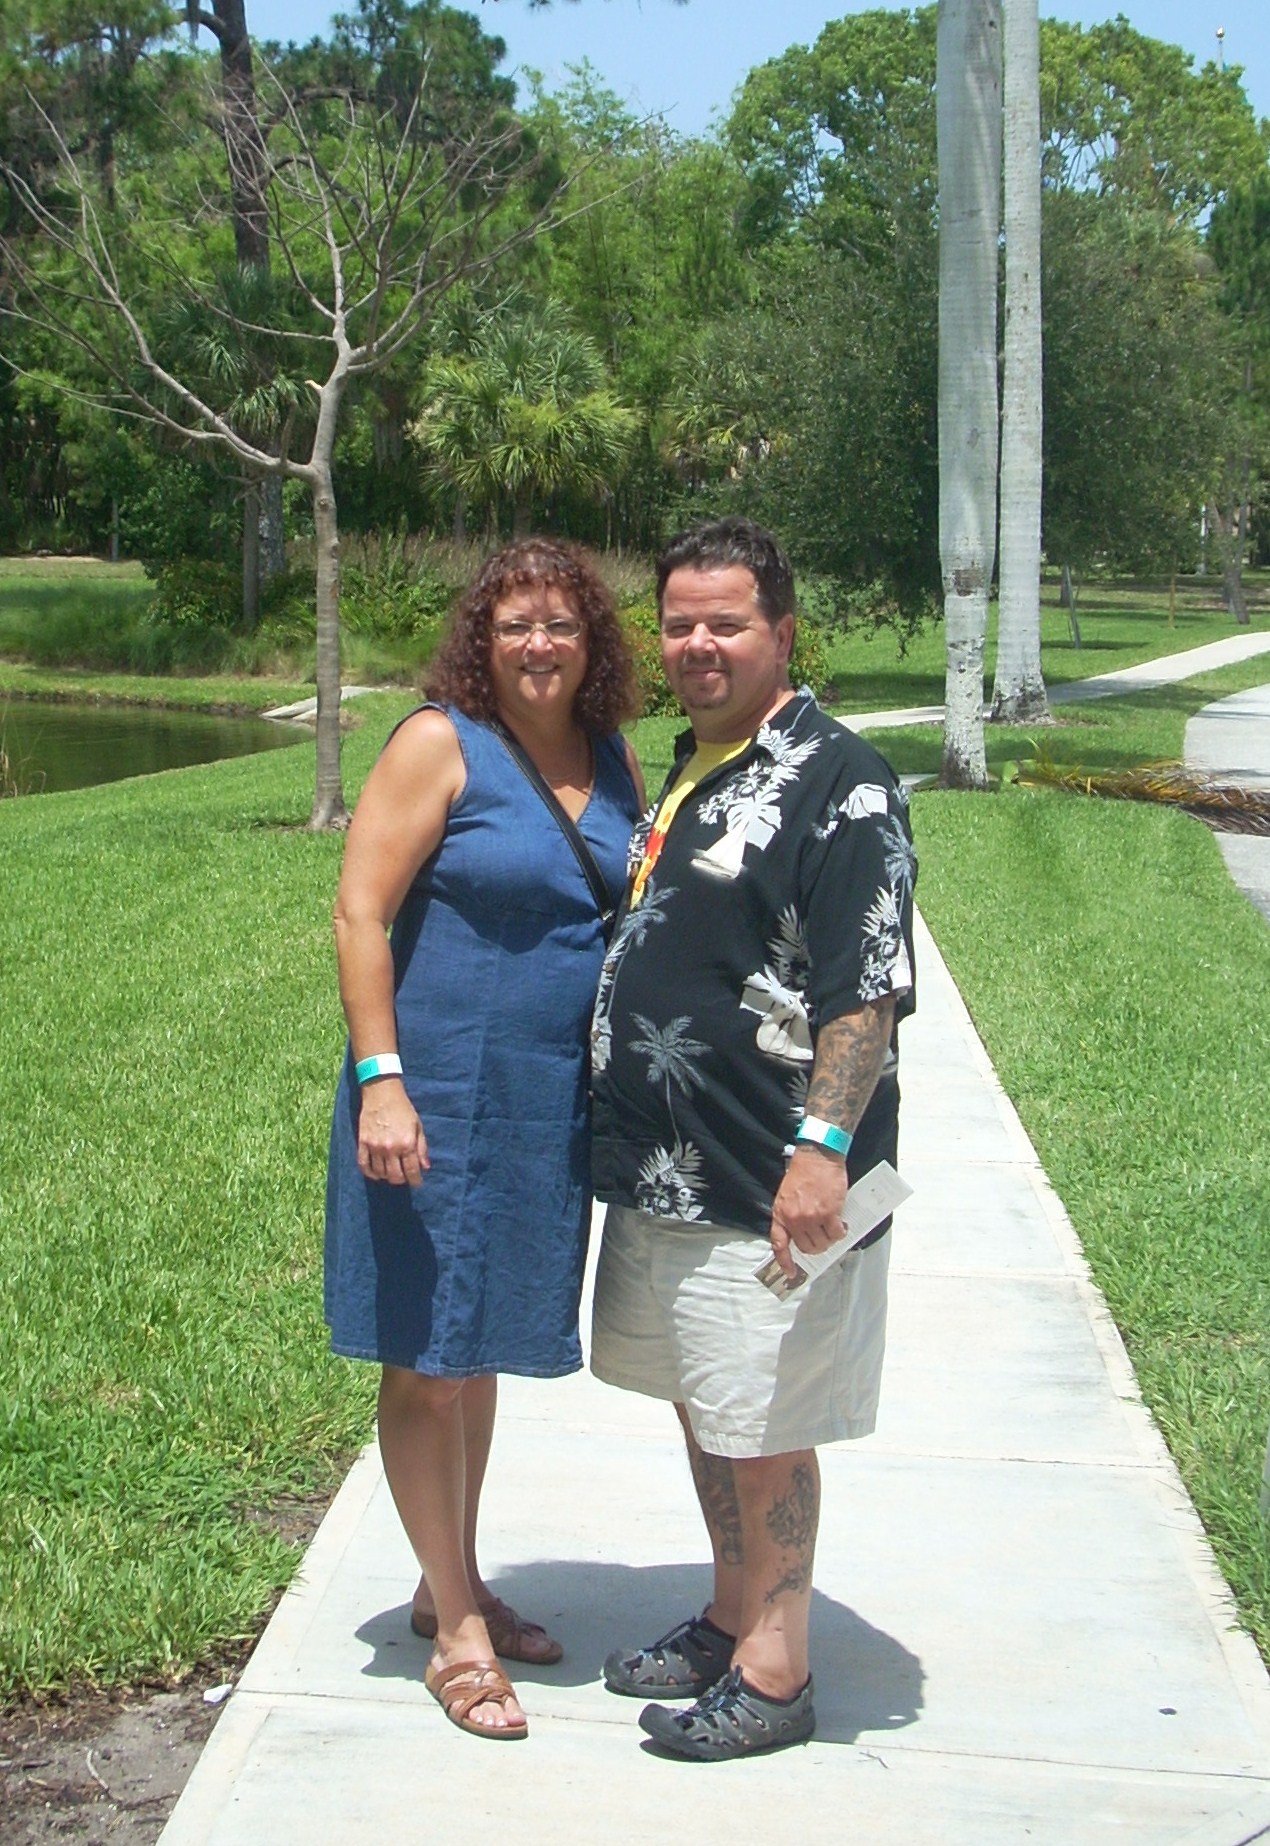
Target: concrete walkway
[
  {"x": 1169, "y": 670},
  {"x": 1231, "y": 739},
  {"x": 1019, "y": 1631}
]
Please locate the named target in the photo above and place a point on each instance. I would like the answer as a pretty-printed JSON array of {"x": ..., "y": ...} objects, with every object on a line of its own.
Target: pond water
[{"x": 55, "y": 747}]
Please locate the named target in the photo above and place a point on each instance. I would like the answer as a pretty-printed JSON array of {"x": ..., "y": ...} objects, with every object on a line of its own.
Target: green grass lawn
[
  {"x": 222, "y": 692},
  {"x": 171, "y": 1043},
  {"x": 1118, "y": 980},
  {"x": 56, "y": 610},
  {"x": 1119, "y": 628},
  {"x": 172, "y": 1036},
  {"x": 1147, "y": 727}
]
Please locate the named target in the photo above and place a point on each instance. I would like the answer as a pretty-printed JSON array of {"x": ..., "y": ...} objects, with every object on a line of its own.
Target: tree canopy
[{"x": 757, "y": 306}]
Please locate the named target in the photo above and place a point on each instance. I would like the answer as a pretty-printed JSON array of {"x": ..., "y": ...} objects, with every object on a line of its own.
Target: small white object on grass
[{"x": 216, "y": 1695}]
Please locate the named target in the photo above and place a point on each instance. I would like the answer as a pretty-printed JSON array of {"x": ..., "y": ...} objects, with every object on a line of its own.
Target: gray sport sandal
[
  {"x": 687, "y": 1660},
  {"x": 731, "y": 1719}
]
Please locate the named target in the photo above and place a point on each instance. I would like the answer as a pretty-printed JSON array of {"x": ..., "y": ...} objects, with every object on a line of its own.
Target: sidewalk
[
  {"x": 1019, "y": 1633},
  {"x": 1148, "y": 674},
  {"x": 1231, "y": 739}
]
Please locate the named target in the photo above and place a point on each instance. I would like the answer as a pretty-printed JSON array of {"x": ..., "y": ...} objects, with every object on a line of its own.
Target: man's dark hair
[{"x": 724, "y": 542}]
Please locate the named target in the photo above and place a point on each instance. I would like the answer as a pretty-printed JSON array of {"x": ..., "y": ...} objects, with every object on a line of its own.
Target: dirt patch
[
  {"x": 103, "y": 1769},
  {"x": 106, "y": 1768}
]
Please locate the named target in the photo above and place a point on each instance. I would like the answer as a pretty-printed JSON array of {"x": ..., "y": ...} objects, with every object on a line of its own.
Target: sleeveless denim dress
[{"x": 496, "y": 953}]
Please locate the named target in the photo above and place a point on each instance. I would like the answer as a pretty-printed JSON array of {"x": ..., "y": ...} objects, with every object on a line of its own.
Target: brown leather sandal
[
  {"x": 510, "y": 1636},
  {"x": 460, "y": 1688}
]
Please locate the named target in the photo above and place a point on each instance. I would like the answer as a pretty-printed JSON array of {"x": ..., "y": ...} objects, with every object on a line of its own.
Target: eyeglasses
[{"x": 559, "y": 628}]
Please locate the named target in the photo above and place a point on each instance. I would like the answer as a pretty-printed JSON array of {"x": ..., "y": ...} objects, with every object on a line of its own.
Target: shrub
[
  {"x": 195, "y": 593},
  {"x": 182, "y": 508}
]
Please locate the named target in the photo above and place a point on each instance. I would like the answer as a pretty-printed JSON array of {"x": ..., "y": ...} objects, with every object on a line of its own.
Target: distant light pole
[{"x": 1221, "y": 48}]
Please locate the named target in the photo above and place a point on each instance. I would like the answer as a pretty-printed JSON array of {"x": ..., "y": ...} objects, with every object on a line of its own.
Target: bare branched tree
[{"x": 373, "y": 217}]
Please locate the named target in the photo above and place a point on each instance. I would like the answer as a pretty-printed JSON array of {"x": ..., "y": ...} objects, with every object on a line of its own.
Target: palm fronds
[{"x": 1229, "y": 807}]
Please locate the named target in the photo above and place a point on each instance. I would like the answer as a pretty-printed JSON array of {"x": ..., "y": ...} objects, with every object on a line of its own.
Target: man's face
[{"x": 725, "y": 661}]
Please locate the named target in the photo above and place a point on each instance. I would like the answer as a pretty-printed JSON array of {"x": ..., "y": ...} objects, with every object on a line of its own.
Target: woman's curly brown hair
[{"x": 459, "y": 673}]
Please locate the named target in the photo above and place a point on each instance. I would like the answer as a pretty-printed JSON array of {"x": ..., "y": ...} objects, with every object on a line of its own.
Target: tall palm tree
[
  {"x": 1018, "y": 692},
  {"x": 525, "y": 413},
  {"x": 969, "y": 135}
]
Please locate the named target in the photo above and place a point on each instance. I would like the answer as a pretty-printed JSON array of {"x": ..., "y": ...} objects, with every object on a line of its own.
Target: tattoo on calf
[
  {"x": 792, "y": 1522},
  {"x": 716, "y": 1491}
]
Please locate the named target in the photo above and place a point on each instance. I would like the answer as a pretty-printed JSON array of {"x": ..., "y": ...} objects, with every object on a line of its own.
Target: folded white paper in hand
[{"x": 869, "y": 1200}]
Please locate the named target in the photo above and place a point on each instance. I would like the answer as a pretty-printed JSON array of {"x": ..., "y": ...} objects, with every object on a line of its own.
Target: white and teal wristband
[
  {"x": 824, "y": 1134},
  {"x": 387, "y": 1064}
]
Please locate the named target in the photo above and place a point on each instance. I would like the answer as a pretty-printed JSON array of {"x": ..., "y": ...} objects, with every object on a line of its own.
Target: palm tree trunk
[
  {"x": 1018, "y": 693},
  {"x": 969, "y": 132}
]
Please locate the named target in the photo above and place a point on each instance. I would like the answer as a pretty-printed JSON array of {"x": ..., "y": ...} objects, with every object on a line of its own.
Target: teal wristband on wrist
[
  {"x": 387, "y": 1064},
  {"x": 824, "y": 1134}
]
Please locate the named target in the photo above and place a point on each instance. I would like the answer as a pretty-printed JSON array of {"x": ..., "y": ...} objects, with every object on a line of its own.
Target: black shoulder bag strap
[{"x": 581, "y": 851}]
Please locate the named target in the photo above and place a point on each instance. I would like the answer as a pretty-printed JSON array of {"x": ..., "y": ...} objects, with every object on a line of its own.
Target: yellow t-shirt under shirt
[{"x": 704, "y": 759}]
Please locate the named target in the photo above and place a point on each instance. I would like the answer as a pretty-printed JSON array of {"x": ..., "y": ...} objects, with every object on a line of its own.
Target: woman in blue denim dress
[{"x": 458, "y": 1199}]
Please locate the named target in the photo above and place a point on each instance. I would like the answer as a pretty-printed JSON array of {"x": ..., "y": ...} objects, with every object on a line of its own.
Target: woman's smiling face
[{"x": 536, "y": 673}]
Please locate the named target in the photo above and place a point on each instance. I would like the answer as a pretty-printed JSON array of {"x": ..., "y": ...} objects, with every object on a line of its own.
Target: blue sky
[{"x": 685, "y": 61}]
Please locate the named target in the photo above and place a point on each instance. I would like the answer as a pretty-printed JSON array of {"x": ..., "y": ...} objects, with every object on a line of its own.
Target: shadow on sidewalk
[{"x": 866, "y": 1680}]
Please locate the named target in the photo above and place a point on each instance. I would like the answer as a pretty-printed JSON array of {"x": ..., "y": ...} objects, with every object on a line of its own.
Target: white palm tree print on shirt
[
  {"x": 670, "y": 1178},
  {"x": 633, "y": 928},
  {"x": 884, "y": 965},
  {"x": 749, "y": 804}
]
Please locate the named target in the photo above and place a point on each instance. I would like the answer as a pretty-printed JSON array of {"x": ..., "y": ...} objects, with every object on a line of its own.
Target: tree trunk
[
  {"x": 458, "y": 530},
  {"x": 114, "y": 529},
  {"x": 969, "y": 133},
  {"x": 521, "y": 519},
  {"x": 328, "y": 795},
  {"x": 1232, "y": 588},
  {"x": 1228, "y": 529},
  {"x": 251, "y": 552},
  {"x": 1067, "y": 600},
  {"x": 244, "y": 143},
  {"x": 1018, "y": 693},
  {"x": 272, "y": 529}
]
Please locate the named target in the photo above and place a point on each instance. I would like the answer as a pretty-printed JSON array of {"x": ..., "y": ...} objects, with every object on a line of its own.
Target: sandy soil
[
  {"x": 103, "y": 1769},
  {"x": 106, "y": 1768}
]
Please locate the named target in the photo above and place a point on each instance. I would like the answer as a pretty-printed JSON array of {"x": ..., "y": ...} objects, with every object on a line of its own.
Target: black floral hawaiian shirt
[{"x": 782, "y": 898}]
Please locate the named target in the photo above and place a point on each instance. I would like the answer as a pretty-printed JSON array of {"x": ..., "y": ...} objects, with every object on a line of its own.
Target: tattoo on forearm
[
  {"x": 792, "y": 1521},
  {"x": 850, "y": 1053},
  {"x": 716, "y": 1491}
]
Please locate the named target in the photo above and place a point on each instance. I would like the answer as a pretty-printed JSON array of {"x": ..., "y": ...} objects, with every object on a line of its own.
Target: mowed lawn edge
[
  {"x": 167, "y": 1082},
  {"x": 173, "y": 1036},
  {"x": 1117, "y": 979}
]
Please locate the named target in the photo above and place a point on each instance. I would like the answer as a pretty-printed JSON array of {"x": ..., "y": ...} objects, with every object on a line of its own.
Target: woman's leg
[
  {"x": 478, "y": 1401},
  {"x": 423, "y": 1441}
]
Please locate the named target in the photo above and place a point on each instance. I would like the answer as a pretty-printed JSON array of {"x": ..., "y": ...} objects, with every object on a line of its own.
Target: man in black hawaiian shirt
[{"x": 744, "y": 1074}]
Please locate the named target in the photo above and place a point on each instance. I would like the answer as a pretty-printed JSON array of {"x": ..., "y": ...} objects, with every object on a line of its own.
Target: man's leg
[
  {"x": 716, "y": 1491},
  {"x": 779, "y": 1498},
  {"x": 761, "y": 1514}
]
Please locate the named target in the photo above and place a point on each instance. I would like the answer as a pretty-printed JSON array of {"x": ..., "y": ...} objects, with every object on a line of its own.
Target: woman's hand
[{"x": 391, "y": 1144}]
